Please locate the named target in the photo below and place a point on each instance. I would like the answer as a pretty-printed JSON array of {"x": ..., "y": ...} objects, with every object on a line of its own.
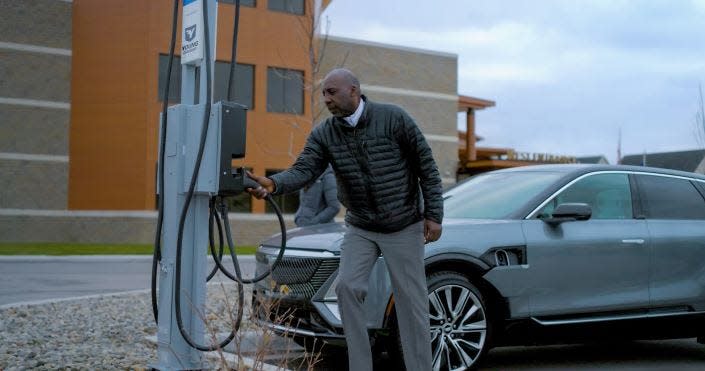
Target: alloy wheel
[{"x": 458, "y": 327}]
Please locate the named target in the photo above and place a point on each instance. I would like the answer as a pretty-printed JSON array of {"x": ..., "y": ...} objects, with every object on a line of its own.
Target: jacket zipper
[{"x": 363, "y": 162}]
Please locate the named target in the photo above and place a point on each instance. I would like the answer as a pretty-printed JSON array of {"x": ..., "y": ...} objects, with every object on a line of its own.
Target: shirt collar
[{"x": 355, "y": 117}]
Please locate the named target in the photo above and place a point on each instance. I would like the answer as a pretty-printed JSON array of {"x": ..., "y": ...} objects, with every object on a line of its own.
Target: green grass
[{"x": 91, "y": 249}]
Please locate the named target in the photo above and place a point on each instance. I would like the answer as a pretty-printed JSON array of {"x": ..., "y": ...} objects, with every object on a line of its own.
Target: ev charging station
[{"x": 199, "y": 140}]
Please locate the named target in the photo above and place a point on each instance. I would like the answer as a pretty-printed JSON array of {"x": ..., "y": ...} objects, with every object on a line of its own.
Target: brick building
[{"x": 80, "y": 100}]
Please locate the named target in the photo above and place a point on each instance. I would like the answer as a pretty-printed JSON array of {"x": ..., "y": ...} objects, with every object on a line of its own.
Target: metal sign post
[{"x": 182, "y": 142}]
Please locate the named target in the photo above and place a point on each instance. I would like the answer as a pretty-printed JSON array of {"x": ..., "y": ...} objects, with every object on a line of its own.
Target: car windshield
[{"x": 495, "y": 195}]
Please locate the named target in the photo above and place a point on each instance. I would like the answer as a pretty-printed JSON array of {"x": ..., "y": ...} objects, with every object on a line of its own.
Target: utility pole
[{"x": 619, "y": 146}]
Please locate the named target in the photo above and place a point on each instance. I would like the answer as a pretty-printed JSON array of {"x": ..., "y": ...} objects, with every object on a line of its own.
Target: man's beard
[
  {"x": 340, "y": 112},
  {"x": 337, "y": 112}
]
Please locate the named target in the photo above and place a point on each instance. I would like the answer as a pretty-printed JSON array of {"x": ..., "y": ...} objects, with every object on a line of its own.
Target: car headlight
[
  {"x": 330, "y": 299},
  {"x": 330, "y": 294},
  {"x": 333, "y": 308}
]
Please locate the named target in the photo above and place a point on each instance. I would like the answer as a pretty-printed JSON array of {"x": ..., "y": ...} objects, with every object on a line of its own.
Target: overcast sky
[{"x": 565, "y": 74}]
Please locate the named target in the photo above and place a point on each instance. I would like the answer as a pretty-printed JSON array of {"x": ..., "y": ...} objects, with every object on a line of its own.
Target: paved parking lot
[
  {"x": 32, "y": 279},
  {"x": 36, "y": 278}
]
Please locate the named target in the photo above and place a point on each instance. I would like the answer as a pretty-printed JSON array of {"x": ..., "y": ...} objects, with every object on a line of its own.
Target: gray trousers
[{"x": 403, "y": 253}]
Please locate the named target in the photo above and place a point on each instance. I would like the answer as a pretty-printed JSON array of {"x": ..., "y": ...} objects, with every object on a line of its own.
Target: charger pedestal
[{"x": 184, "y": 128}]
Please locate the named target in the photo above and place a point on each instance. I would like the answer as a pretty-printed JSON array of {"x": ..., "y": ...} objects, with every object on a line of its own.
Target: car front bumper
[{"x": 298, "y": 298}]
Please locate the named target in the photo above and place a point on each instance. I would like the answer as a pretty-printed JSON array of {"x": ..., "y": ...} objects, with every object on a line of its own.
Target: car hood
[
  {"x": 473, "y": 236},
  {"x": 316, "y": 237}
]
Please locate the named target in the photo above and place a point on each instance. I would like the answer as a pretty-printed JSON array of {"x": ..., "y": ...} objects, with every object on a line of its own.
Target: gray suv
[{"x": 529, "y": 255}]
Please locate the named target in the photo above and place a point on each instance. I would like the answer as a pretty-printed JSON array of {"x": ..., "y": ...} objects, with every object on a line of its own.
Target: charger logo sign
[
  {"x": 190, "y": 33},
  {"x": 192, "y": 39}
]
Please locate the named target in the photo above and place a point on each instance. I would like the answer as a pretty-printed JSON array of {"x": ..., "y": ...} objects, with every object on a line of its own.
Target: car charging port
[
  {"x": 505, "y": 256},
  {"x": 501, "y": 258}
]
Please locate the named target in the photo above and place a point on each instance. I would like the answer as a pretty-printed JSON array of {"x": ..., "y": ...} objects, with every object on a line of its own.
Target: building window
[
  {"x": 250, "y": 3},
  {"x": 285, "y": 91},
  {"x": 175, "y": 83},
  {"x": 288, "y": 6},
  {"x": 242, "y": 203},
  {"x": 288, "y": 203},
  {"x": 243, "y": 82}
]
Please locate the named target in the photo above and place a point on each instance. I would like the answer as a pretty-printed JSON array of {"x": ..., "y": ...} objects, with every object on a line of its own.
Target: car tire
[{"x": 459, "y": 348}]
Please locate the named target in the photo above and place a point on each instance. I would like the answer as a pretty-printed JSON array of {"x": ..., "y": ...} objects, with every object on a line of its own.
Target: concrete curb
[{"x": 72, "y": 298}]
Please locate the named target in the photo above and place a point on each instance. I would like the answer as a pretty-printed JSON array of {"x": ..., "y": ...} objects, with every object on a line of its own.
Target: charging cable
[{"x": 213, "y": 214}]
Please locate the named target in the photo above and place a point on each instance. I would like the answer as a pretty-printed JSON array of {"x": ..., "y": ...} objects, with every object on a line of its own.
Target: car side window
[
  {"x": 670, "y": 198},
  {"x": 609, "y": 196}
]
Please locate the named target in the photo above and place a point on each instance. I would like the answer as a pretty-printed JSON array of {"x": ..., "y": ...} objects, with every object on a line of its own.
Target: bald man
[{"x": 390, "y": 184}]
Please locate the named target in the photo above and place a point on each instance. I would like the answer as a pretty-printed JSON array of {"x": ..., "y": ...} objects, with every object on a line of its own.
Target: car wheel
[{"x": 459, "y": 325}]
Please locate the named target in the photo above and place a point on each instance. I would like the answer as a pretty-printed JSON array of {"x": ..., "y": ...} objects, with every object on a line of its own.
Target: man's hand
[
  {"x": 431, "y": 230},
  {"x": 266, "y": 186}
]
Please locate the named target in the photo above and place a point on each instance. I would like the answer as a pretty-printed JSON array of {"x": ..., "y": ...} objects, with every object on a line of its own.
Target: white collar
[{"x": 355, "y": 117}]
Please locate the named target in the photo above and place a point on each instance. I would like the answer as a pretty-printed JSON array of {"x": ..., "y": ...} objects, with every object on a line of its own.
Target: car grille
[{"x": 302, "y": 275}]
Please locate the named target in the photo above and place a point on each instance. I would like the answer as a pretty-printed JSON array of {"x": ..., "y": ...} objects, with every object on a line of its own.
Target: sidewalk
[{"x": 38, "y": 278}]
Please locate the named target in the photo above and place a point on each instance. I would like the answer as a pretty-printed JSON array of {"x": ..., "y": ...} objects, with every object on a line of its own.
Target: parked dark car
[{"x": 529, "y": 255}]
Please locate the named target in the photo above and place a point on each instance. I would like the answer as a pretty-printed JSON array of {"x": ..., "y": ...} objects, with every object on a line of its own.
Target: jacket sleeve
[
  {"x": 308, "y": 166},
  {"x": 424, "y": 166},
  {"x": 330, "y": 194}
]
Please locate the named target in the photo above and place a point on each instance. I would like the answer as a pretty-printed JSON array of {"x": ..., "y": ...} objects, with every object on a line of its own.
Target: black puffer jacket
[{"x": 380, "y": 166}]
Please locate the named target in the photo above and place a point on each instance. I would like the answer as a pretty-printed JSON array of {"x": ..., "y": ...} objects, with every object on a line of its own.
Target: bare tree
[{"x": 314, "y": 42}]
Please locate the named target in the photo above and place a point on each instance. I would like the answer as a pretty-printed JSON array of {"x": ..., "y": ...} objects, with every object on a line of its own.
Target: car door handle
[{"x": 634, "y": 241}]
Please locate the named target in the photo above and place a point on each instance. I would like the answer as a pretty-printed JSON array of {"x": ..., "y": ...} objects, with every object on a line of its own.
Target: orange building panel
[{"x": 114, "y": 95}]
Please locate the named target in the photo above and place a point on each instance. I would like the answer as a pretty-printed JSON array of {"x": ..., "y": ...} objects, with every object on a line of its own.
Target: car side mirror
[{"x": 569, "y": 212}]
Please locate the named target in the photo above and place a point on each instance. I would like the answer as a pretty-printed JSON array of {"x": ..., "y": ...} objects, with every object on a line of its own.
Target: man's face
[{"x": 340, "y": 96}]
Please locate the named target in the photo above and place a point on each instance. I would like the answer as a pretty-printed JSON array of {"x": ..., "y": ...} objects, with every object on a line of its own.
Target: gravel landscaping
[{"x": 100, "y": 333}]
